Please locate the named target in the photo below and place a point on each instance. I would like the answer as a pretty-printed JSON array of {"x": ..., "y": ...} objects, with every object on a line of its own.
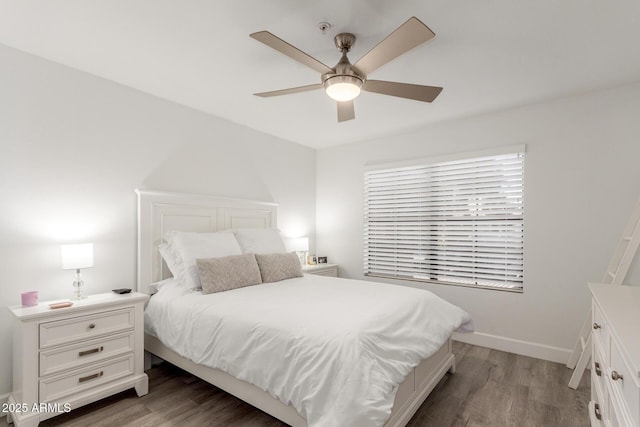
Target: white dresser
[
  {"x": 615, "y": 362},
  {"x": 67, "y": 357}
]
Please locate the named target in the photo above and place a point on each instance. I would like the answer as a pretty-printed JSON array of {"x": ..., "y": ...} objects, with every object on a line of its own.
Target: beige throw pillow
[
  {"x": 226, "y": 273},
  {"x": 276, "y": 267}
]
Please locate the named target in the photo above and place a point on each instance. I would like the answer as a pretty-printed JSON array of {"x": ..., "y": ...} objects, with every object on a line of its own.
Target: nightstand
[
  {"x": 321, "y": 269},
  {"x": 68, "y": 357}
]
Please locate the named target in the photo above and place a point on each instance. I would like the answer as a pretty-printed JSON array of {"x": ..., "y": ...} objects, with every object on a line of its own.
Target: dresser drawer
[
  {"x": 626, "y": 387},
  {"x": 594, "y": 412},
  {"x": 599, "y": 405},
  {"x": 77, "y": 355},
  {"x": 599, "y": 375},
  {"x": 63, "y": 386},
  {"x": 85, "y": 327}
]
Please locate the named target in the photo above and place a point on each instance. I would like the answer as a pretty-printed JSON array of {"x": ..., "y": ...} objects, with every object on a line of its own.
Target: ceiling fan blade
[
  {"x": 291, "y": 51},
  {"x": 403, "y": 90},
  {"x": 407, "y": 36},
  {"x": 346, "y": 111},
  {"x": 290, "y": 90}
]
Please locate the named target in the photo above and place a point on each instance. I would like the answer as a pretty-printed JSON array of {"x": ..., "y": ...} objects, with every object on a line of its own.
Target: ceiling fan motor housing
[{"x": 344, "y": 41}]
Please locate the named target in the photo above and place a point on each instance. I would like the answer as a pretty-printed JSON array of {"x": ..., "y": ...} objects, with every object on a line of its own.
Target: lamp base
[
  {"x": 78, "y": 285},
  {"x": 302, "y": 257}
]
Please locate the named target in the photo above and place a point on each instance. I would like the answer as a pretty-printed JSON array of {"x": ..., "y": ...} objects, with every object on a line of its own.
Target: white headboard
[{"x": 159, "y": 212}]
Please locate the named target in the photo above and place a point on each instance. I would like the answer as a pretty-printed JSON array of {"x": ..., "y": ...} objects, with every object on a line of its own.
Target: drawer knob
[
  {"x": 597, "y": 369},
  {"x": 616, "y": 376},
  {"x": 92, "y": 325},
  {"x": 596, "y": 409},
  {"x": 596, "y": 326}
]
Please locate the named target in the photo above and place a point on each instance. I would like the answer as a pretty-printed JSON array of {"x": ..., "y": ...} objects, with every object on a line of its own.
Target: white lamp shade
[
  {"x": 77, "y": 256},
  {"x": 300, "y": 244}
]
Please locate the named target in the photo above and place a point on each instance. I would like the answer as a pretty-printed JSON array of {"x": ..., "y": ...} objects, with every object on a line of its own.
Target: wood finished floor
[{"x": 489, "y": 388}]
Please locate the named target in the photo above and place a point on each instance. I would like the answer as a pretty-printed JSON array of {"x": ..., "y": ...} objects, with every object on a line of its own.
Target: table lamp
[
  {"x": 300, "y": 246},
  {"x": 75, "y": 257}
]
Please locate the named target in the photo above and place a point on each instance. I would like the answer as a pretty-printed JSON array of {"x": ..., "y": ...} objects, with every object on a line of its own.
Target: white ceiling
[{"x": 488, "y": 55}]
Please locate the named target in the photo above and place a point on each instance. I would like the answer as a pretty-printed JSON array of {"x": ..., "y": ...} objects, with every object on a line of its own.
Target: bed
[{"x": 161, "y": 212}]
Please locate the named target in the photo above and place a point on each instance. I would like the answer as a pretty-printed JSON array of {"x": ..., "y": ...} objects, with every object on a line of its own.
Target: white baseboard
[{"x": 524, "y": 348}]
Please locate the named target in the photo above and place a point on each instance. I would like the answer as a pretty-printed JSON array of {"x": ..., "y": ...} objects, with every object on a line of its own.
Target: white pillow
[
  {"x": 188, "y": 247},
  {"x": 260, "y": 240},
  {"x": 155, "y": 287},
  {"x": 173, "y": 263}
]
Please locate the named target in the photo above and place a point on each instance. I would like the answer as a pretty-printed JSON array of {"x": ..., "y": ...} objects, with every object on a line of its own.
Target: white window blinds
[{"x": 454, "y": 222}]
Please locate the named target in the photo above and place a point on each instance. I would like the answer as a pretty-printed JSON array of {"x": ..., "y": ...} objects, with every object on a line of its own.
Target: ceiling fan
[{"x": 344, "y": 81}]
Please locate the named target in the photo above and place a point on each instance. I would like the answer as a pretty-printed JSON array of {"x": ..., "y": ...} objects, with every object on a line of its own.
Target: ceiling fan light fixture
[
  {"x": 344, "y": 82},
  {"x": 343, "y": 87}
]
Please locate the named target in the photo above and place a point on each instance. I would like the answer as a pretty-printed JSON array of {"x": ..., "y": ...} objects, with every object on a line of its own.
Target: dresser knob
[
  {"x": 596, "y": 326},
  {"x": 596, "y": 410},
  {"x": 616, "y": 376},
  {"x": 92, "y": 325},
  {"x": 597, "y": 369}
]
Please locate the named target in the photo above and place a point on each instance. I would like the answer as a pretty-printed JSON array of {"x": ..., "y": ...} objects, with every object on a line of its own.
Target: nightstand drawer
[
  {"x": 62, "y": 386},
  {"x": 330, "y": 270},
  {"x": 85, "y": 327},
  {"x": 73, "y": 356},
  {"x": 330, "y": 273}
]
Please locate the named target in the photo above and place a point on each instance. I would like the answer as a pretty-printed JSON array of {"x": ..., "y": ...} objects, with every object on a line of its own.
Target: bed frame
[{"x": 159, "y": 212}]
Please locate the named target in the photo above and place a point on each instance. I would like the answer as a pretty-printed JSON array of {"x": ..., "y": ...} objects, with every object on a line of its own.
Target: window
[{"x": 449, "y": 221}]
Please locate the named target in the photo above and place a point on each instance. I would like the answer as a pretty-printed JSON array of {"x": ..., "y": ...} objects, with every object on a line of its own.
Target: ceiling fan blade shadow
[
  {"x": 346, "y": 111},
  {"x": 403, "y": 90},
  {"x": 407, "y": 36},
  {"x": 289, "y": 91},
  {"x": 291, "y": 51}
]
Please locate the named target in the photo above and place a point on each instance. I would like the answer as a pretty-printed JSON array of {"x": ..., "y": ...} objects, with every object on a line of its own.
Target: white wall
[
  {"x": 73, "y": 149},
  {"x": 582, "y": 177}
]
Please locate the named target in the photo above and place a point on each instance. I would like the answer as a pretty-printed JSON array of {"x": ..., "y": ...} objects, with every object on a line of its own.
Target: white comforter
[{"x": 335, "y": 349}]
